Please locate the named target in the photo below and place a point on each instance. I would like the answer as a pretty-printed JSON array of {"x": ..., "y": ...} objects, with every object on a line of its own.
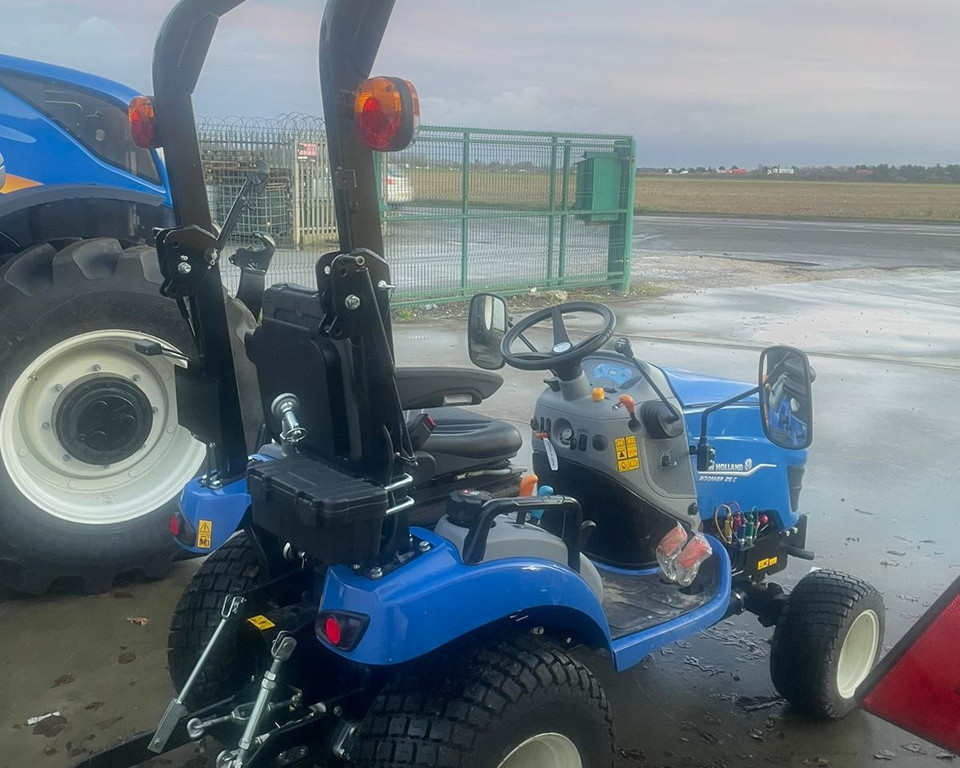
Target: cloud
[{"x": 705, "y": 81}]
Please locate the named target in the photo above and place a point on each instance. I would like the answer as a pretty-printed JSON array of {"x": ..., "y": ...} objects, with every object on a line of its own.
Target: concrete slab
[{"x": 880, "y": 491}]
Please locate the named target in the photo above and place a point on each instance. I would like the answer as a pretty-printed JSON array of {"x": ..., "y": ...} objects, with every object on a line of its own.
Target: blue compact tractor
[{"x": 342, "y": 619}]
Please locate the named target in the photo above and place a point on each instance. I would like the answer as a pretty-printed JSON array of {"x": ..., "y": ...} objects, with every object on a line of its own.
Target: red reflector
[
  {"x": 430, "y": 421},
  {"x": 331, "y": 628},
  {"x": 175, "y": 525},
  {"x": 917, "y": 686}
]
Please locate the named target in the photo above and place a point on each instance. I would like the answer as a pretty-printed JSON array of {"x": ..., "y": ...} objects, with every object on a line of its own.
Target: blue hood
[{"x": 693, "y": 389}]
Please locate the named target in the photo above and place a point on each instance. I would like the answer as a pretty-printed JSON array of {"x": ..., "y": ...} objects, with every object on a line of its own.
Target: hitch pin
[{"x": 176, "y": 709}]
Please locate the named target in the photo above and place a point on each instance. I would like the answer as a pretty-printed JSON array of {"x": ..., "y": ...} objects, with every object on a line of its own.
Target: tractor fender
[
  {"x": 69, "y": 211},
  {"x": 211, "y": 515},
  {"x": 436, "y": 599}
]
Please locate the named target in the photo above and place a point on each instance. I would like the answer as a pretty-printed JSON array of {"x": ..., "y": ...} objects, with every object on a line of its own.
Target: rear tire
[
  {"x": 80, "y": 504},
  {"x": 511, "y": 701},
  {"x": 826, "y": 642},
  {"x": 235, "y": 567}
]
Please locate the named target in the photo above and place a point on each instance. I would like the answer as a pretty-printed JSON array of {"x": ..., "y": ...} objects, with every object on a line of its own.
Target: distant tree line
[{"x": 935, "y": 174}]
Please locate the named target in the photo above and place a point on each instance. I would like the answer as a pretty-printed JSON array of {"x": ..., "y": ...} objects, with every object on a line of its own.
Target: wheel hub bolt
[
  {"x": 58, "y": 387},
  {"x": 46, "y": 425},
  {"x": 135, "y": 377},
  {"x": 66, "y": 457},
  {"x": 96, "y": 367}
]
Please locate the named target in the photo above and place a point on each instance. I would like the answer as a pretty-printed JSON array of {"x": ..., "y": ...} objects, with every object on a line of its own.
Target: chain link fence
[{"x": 463, "y": 209}]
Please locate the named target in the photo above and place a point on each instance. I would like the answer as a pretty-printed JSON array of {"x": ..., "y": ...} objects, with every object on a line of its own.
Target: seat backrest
[
  {"x": 292, "y": 356},
  {"x": 331, "y": 348}
]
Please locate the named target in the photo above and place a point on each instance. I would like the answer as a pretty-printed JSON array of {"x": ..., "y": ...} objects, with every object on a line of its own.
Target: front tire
[
  {"x": 514, "y": 701},
  {"x": 92, "y": 457},
  {"x": 826, "y": 642}
]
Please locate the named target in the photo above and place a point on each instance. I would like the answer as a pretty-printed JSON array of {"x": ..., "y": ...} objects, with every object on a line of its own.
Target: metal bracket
[{"x": 186, "y": 256}]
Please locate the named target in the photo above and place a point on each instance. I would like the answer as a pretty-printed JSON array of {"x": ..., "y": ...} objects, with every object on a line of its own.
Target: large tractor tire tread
[{"x": 464, "y": 706}]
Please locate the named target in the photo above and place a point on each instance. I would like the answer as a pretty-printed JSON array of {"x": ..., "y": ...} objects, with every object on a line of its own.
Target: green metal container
[{"x": 598, "y": 187}]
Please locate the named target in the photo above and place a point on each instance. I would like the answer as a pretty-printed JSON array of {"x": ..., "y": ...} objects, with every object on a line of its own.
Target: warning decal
[
  {"x": 627, "y": 457},
  {"x": 205, "y": 534},
  {"x": 261, "y": 622}
]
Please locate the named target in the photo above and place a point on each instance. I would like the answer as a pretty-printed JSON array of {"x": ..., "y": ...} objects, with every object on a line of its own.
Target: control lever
[
  {"x": 628, "y": 402},
  {"x": 623, "y": 347},
  {"x": 152, "y": 348},
  {"x": 254, "y": 183},
  {"x": 176, "y": 709},
  {"x": 284, "y": 408}
]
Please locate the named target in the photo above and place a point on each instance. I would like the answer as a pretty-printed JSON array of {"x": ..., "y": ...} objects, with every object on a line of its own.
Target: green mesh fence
[{"x": 463, "y": 209}]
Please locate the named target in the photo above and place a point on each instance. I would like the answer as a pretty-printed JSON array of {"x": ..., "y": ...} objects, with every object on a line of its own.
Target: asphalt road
[
  {"x": 427, "y": 253},
  {"x": 814, "y": 244},
  {"x": 880, "y": 490}
]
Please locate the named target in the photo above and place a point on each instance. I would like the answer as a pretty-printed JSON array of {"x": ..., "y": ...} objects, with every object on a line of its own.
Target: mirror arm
[
  {"x": 527, "y": 343},
  {"x": 702, "y": 449},
  {"x": 521, "y": 336}
]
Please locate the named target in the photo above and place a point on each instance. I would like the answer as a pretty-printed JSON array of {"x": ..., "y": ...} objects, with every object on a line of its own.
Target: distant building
[{"x": 780, "y": 171}]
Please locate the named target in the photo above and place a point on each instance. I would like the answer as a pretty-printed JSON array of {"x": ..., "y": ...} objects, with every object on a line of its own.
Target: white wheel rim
[
  {"x": 76, "y": 491},
  {"x": 857, "y": 653},
  {"x": 547, "y": 750}
]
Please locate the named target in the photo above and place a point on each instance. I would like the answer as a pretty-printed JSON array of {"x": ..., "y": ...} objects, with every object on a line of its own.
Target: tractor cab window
[{"x": 100, "y": 125}]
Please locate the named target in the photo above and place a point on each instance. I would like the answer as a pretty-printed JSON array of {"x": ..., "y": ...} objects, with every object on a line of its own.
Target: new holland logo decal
[{"x": 729, "y": 471}]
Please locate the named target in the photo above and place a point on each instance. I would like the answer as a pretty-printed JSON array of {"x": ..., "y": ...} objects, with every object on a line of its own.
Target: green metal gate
[
  {"x": 464, "y": 209},
  {"x": 469, "y": 209}
]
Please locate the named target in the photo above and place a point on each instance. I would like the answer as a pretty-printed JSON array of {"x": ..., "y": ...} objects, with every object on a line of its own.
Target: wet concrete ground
[{"x": 880, "y": 492}]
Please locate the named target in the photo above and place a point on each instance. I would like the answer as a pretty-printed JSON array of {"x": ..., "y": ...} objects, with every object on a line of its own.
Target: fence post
[
  {"x": 297, "y": 196},
  {"x": 620, "y": 247},
  {"x": 552, "y": 205},
  {"x": 464, "y": 213},
  {"x": 564, "y": 194}
]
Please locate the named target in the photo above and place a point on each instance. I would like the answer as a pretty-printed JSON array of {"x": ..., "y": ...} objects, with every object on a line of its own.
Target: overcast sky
[{"x": 698, "y": 82}]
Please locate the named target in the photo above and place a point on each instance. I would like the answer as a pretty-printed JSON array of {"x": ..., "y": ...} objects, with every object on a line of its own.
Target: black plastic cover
[{"x": 332, "y": 516}]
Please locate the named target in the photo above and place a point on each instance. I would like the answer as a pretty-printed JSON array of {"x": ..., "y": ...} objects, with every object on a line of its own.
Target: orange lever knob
[{"x": 627, "y": 402}]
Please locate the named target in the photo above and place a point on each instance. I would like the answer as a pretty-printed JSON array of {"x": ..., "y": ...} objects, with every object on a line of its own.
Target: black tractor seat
[
  {"x": 439, "y": 387},
  {"x": 463, "y": 440}
]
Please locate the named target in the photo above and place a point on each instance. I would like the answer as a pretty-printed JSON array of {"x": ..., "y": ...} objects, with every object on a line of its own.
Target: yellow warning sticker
[
  {"x": 205, "y": 534},
  {"x": 627, "y": 457},
  {"x": 261, "y": 622},
  {"x": 767, "y": 562}
]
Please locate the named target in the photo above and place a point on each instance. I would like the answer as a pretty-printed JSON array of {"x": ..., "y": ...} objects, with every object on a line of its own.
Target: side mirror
[
  {"x": 786, "y": 397},
  {"x": 486, "y": 327}
]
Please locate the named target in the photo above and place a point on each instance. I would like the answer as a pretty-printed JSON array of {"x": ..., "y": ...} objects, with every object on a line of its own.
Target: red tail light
[
  {"x": 386, "y": 112},
  {"x": 341, "y": 629},
  {"x": 917, "y": 685},
  {"x": 142, "y": 122},
  {"x": 174, "y": 524}
]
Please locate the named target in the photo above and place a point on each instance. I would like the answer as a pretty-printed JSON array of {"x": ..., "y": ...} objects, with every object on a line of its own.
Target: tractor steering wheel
[{"x": 565, "y": 356}]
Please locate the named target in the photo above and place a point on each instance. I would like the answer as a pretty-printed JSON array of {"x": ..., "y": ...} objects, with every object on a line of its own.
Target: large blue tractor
[{"x": 93, "y": 456}]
